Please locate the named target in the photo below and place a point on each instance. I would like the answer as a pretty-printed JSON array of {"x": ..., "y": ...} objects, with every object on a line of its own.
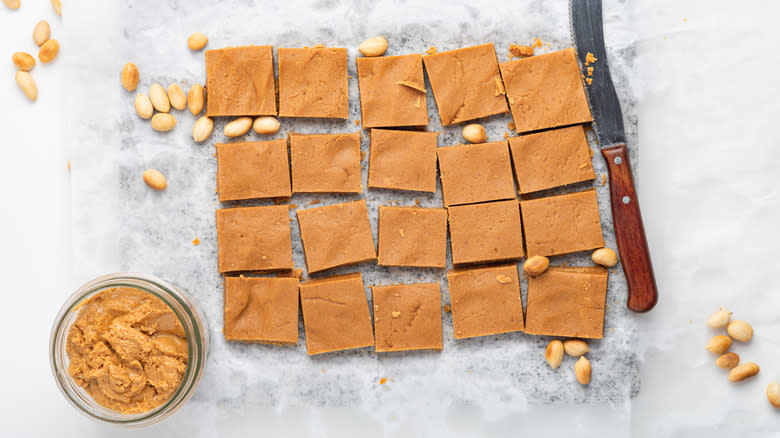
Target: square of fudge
[
  {"x": 313, "y": 82},
  {"x": 392, "y": 91},
  {"x": 254, "y": 239},
  {"x": 485, "y": 301},
  {"x": 546, "y": 91},
  {"x": 562, "y": 224},
  {"x": 240, "y": 81},
  {"x": 407, "y": 317},
  {"x": 567, "y": 302},
  {"x": 551, "y": 158},
  {"x": 336, "y": 235},
  {"x": 466, "y": 83},
  {"x": 335, "y": 314},
  {"x": 475, "y": 173},
  {"x": 402, "y": 160},
  {"x": 253, "y": 170},
  {"x": 325, "y": 163},
  {"x": 486, "y": 232},
  {"x": 260, "y": 309},
  {"x": 410, "y": 236}
]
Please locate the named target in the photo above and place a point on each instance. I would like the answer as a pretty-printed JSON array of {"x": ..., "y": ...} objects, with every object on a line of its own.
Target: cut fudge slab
[
  {"x": 551, "y": 158},
  {"x": 335, "y": 314},
  {"x": 407, "y": 317},
  {"x": 336, "y": 235},
  {"x": 485, "y": 301},
  {"x": 392, "y": 91},
  {"x": 562, "y": 224},
  {"x": 326, "y": 163},
  {"x": 546, "y": 91},
  {"x": 240, "y": 81},
  {"x": 486, "y": 232},
  {"x": 475, "y": 173},
  {"x": 567, "y": 302},
  {"x": 253, "y": 170},
  {"x": 254, "y": 239},
  {"x": 313, "y": 82},
  {"x": 402, "y": 160},
  {"x": 259, "y": 309},
  {"x": 466, "y": 83},
  {"x": 413, "y": 237}
]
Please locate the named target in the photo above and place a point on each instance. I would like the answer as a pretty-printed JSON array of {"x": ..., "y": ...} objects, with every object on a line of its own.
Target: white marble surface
[{"x": 707, "y": 161}]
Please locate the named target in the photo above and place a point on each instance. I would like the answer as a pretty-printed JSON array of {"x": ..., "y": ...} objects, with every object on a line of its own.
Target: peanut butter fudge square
[
  {"x": 410, "y": 236},
  {"x": 485, "y": 301},
  {"x": 562, "y": 224},
  {"x": 253, "y": 170},
  {"x": 335, "y": 314},
  {"x": 402, "y": 160},
  {"x": 488, "y": 232},
  {"x": 336, "y": 235},
  {"x": 240, "y": 81},
  {"x": 392, "y": 91},
  {"x": 313, "y": 82},
  {"x": 551, "y": 158},
  {"x": 254, "y": 239},
  {"x": 325, "y": 163},
  {"x": 407, "y": 317},
  {"x": 260, "y": 309},
  {"x": 546, "y": 91},
  {"x": 475, "y": 173},
  {"x": 567, "y": 302},
  {"x": 466, "y": 83}
]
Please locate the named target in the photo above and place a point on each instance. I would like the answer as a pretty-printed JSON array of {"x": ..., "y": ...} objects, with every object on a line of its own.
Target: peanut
[
  {"x": 727, "y": 361},
  {"x": 49, "y": 51},
  {"x": 576, "y": 347},
  {"x": 238, "y": 127},
  {"x": 605, "y": 257},
  {"x": 57, "y": 5},
  {"x": 554, "y": 353},
  {"x": 521, "y": 51},
  {"x": 536, "y": 265},
  {"x": 740, "y": 330},
  {"x": 129, "y": 76},
  {"x": 202, "y": 128},
  {"x": 376, "y": 46},
  {"x": 177, "y": 97},
  {"x": 743, "y": 372},
  {"x": 155, "y": 179},
  {"x": 159, "y": 98},
  {"x": 195, "y": 99},
  {"x": 719, "y": 319},
  {"x": 143, "y": 106},
  {"x": 26, "y": 82},
  {"x": 12, "y": 4},
  {"x": 23, "y": 61},
  {"x": 773, "y": 394},
  {"x": 266, "y": 125},
  {"x": 163, "y": 122},
  {"x": 41, "y": 32},
  {"x": 197, "y": 41},
  {"x": 719, "y": 344},
  {"x": 474, "y": 133},
  {"x": 582, "y": 370}
]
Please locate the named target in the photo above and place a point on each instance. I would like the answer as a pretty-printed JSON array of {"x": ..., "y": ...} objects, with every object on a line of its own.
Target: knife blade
[{"x": 588, "y": 33}]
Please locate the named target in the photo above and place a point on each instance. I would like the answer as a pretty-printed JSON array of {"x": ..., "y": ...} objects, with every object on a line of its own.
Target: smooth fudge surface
[
  {"x": 254, "y": 239},
  {"x": 402, "y": 160},
  {"x": 240, "y": 81},
  {"x": 325, "y": 163},
  {"x": 411, "y": 236},
  {"x": 407, "y": 317},
  {"x": 261, "y": 309},
  {"x": 476, "y": 173},
  {"x": 488, "y": 232},
  {"x": 392, "y": 91},
  {"x": 313, "y": 82},
  {"x": 253, "y": 170}
]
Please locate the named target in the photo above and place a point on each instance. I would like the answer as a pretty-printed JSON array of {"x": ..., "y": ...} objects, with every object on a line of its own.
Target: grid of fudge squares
[
  {"x": 261, "y": 309},
  {"x": 313, "y": 82},
  {"x": 475, "y": 173},
  {"x": 392, "y": 91},
  {"x": 487, "y": 232},
  {"x": 254, "y": 239},
  {"x": 412, "y": 236},
  {"x": 407, "y": 317},
  {"x": 253, "y": 170},
  {"x": 240, "y": 81},
  {"x": 325, "y": 163},
  {"x": 402, "y": 160}
]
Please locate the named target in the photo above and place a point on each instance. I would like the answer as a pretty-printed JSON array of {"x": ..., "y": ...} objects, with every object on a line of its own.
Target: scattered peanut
[
  {"x": 376, "y": 46},
  {"x": 163, "y": 122},
  {"x": 576, "y": 347},
  {"x": 23, "y": 61},
  {"x": 582, "y": 370},
  {"x": 536, "y": 265},
  {"x": 740, "y": 330},
  {"x": 266, "y": 125},
  {"x": 743, "y": 372},
  {"x": 773, "y": 394},
  {"x": 238, "y": 127},
  {"x": 177, "y": 97},
  {"x": 202, "y": 128},
  {"x": 12, "y": 4},
  {"x": 143, "y": 106},
  {"x": 521, "y": 51},
  {"x": 195, "y": 99},
  {"x": 57, "y": 5},
  {"x": 155, "y": 179},
  {"x": 197, "y": 41},
  {"x": 129, "y": 76},
  {"x": 474, "y": 133},
  {"x": 26, "y": 82},
  {"x": 727, "y": 361},
  {"x": 554, "y": 353},
  {"x": 49, "y": 51},
  {"x": 719, "y": 344},
  {"x": 719, "y": 319},
  {"x": 605, "y": 257},
  {"x": 41, "y": 32},
  {"x": 159, "y": 98}
]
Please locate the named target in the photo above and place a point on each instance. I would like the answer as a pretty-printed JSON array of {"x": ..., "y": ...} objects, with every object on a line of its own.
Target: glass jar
[{"x": 183, "y": 307}]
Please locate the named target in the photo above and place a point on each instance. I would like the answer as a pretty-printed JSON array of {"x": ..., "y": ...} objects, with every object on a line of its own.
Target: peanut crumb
[
  {"x": 396, "y": 314},
  {"x": 590, "y": 71},
  {"x": 265, "y": 257},
  {"x": 500, "y": 90},
  {"x": 537, "y": 44},
  {"x": 362, "y": 155},
  {"x": 447, "y": 308},
  {"x": 401, "y": 231},
  {"x": 503, "y": 279},
  {"x": 506, "y": 135},
  {"x": 590, "y": 151},
  {"x": 511, "y": 126},
  {"x": 357, "y": 122},
  {"x": 68, "y": 164},
  {"x": 590, "y": 59},
  {"x": 518, "y": 51},
  {"x": 603, "y": 179},
  {"x": 196, "y": 241},
  {"x": 383, "y": 380},
  {"x": 589, "y": 80},
  {"x": 418, "y": 103},
  {"x": 583, "y": 165},
  {"x": 412, "y": 85},
  {"x": 431, "y": 50},
  {"x": 293, "y": 206},
  {"x": 417, "y": 202},
  {"x": 323, "y": 370},
  {"x": 316, "y": 201}
]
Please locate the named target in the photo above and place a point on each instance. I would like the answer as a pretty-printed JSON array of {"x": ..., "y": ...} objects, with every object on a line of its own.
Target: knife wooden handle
[{"x": 629, "y": 231}]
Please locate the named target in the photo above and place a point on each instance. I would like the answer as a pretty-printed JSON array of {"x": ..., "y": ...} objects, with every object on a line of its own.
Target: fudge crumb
[
  {"x": 511, "y": 126},
  {"x": 519, "y": 51},
  {"x": 357, "y": 122},
  {"x": 293, "y": 206},
  {"x": 590, "y": 59},
  {"x": 396, "y": 314},
  {"x": 537, "y": 44},
  {"x": 417, "y": 202},
  {"x": 196, "y": 241},
  {"x": 506, "y": 135},
  {"x": 603, "y": 179},
  {"x": 503, "y": 279},
  {"x": 290, "y": 273},
  {"x": 500, "y": 90},
  {"x": 316, "y": 201},
  {"x": 590, "y": 71},
  {"x": 590, "y": 151},
  {"x": 278, "y": 201},
  {"x": 447, "y": 308},
  {"x": 431, "y": 50},
  {"x": 413, "y": 86},
  {"x": 383, "y": 380},
  {"x": 589, "y": 80}
]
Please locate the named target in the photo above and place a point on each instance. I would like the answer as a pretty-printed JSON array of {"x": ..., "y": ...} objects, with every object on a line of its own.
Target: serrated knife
[{"x": 588, "y": 33}]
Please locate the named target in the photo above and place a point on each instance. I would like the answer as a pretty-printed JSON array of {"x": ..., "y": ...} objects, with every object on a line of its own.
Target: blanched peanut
[
  {"x": 474, "y": 133},
  {"x": 23, "y": 61},
  {"x": 155, "y": 179},
  {"x": 719, "y": 344},
  {"x": 163, "y": 122},
  {"x": 773, "y": 394},
  {"x": 238, "y": 127},
  {"x": 41, "y": 32},
  {"x": 576, "y": 347},
  {"x": 536, "y": 265},
  {"x": 197, "y": 41},
  {"x": 582, "y": 370},
  {"x": 266, "y": 125},
  {"x": 727, "y": 361},
  {"x": 159, "y": 98},
  {"x": 743, "y": 372},
  {"x": 49, "y": 51},
  {"x": 195, "y": 99},
  {"x": 129, "y": 76},
  {"x": 12, "y": 4},
  {"x": 719, "y": 319},
  {"x": 177, "y": 97},
  {"x": 143, "y": 106},
  {"x": 740, "y": 330},
  {"x": 57, "y": 5},
  {"x": 376, "y": 46},
  {"x": 202, "y": 129},
  {"x": 605, "y": 257},
  {"x": 554, "y": 353},
  {"x": 26, "y": 82}
]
